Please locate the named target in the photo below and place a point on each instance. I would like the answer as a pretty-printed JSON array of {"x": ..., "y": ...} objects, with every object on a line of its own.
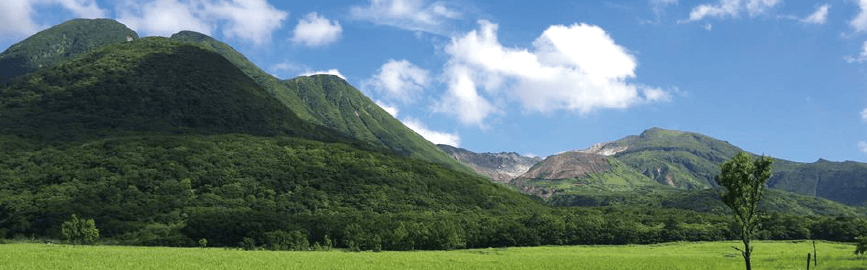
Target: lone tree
[
  {"x": 80, "y": 231},
  {"x": 861, "y": 248},
  {"x": 744, "y": 182}
]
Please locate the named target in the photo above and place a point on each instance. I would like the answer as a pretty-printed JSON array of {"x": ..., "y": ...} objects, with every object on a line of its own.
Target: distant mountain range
[{"x": 677, "y": 159}]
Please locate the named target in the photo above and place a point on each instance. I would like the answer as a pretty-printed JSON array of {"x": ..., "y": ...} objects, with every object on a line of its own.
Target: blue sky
[{"x": 783, "y": 78}]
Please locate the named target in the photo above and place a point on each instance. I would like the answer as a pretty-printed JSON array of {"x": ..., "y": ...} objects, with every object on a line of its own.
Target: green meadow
[{"x": 684, "y": 255}]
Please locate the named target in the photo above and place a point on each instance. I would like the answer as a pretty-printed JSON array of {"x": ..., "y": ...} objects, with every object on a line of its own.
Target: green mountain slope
[
  {"x": 844, "y": 182},
  {"x": 680, "y": 159},
  {"x": 148, "y": 85},
  {"x": 59, "y": 43},
  {"x": 164, "y": 142},
  {"x": 330, "y": 101},
  {"x": 702, "y": 200},
  {"x": 691, "y": 160}
]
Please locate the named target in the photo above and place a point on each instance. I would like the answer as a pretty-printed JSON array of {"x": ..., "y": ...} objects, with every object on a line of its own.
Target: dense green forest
[{"x": 172, "y": 141}]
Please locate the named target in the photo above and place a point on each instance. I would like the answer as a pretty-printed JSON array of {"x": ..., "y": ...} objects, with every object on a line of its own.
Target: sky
[{"x": 776, "y": 77}]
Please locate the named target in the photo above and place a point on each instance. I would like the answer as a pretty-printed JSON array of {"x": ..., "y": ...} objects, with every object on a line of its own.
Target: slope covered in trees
[
  {"x": 59, "y": 43},
  {"x": 330, "y": 101}
]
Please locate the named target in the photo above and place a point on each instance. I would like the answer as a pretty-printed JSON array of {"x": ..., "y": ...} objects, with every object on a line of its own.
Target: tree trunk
[{"x": 747, "y": 254}]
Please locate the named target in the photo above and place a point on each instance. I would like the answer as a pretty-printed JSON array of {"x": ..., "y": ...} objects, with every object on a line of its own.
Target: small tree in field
[
  {"x": 862, "y": 245},
  {"x": 743, "y": 180},
  {"x": 80, "y": 231}
]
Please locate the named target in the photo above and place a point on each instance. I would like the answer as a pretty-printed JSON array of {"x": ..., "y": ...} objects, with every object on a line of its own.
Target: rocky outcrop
[
  {"x": 568, "y": 165},
  {"x": 501, "y": 167},
  {"x": 605, "y": 149}
]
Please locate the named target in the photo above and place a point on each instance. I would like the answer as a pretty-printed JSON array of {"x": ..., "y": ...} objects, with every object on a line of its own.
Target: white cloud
[
  {"x": 399, "y": 80},
  {"x": 818, "y": 17},
  {"x": 315, "y": 31},
  {"x": 462, "y": 100},
  {"x": 864, "y": 115},
  {"x": 415, "y": 15},
  {"x": 163, "y": 17},
  {"x": 862, "y": 146},
  {"x": 708, "y": 26},
  {"x": 334, "y": 72},
  {"x": 860, "y": 58},
  {"x": 17, "y": 16},
  {"x": 731, "y": 8},
  {"x": 658, "y": 6},
  {"x": 249, "y": 20},
  {"x": 392, "y": 110},
  {"x": 859, "y": 23},
  {"x": 577, "y": 68},
  {"x": 435, "y": 137}
]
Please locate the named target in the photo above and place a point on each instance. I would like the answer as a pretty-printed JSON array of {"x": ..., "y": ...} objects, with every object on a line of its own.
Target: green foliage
[
  {"x": 151, "y": 84},
  {"x": 203, "y": 243},
  {"x": 80, "y": 231},
  {"x": 248, "y": 244},
  {"x": 744, "y": 182},
  {"x": 861, "y": 247},
  {"x": 844, "y": 182},
  {"x": 59, "y": 43},
  {"x": 281, "y": 240},
  {"x": 331, "y": 102}
]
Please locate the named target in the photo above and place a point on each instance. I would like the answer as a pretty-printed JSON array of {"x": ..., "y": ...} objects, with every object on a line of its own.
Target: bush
[
  {"x": 80, "y": 231},
  {"x": 862, "y": 245},
  {"x": 281, "y": 240}
]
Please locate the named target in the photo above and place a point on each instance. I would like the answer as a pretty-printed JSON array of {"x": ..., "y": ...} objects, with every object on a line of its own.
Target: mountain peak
[{"x": 60, "y": 43}]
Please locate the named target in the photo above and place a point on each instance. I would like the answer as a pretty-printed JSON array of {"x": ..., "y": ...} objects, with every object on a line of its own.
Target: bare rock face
[
  {"x": 501, "y": 167},
  {"x": 605, "y": 149},
  {"x": 569, "y": 165}
]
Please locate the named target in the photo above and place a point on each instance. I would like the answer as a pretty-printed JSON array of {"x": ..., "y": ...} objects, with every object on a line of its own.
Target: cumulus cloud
[
  {"x": 334, "y": 72},
  {"x": 731, "y": 8},
  {"x": 818, "y": 17},
  {"x": 17, "y": 17},
  {"x": 399, "y": 81},
  {"x": 859, "y": 23},
  {"x": 435, "y": 137},
  {"x": 316, "y": 31},
  {"x": 862, "y": 146},
  {"x": 414, "y": 15},
  {"x": 392, "y": 110},
  {"x": 249, "y": 20},
  {"x": 860, "y": 58},
  {"x": 577, "y": 68}
]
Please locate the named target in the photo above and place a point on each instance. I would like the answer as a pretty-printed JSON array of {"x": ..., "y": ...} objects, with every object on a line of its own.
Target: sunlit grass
[{"x": 706, "y": 255}]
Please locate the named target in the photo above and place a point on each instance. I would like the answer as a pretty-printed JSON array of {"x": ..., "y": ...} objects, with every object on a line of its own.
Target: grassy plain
[{"x": 703, "y": 255}]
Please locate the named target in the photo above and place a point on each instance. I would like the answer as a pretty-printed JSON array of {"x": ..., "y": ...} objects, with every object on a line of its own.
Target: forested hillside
[
  {"x": 330, "y": 101},
  {"x": 59, "y": 43}
]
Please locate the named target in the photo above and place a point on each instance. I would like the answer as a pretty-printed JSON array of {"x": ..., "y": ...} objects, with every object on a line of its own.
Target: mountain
[
  {"x": 844, "y": 182},
  {"x": 330, "y": 101},
  {"x": 578, "y": 172},
  {"x": 148, "y": 85},
  {"x": 164, "y": 142},
  {"x": 668, "y": 168},
  {"x": 689, "y": 160},
  {"x": 59, "y": 43},
  {"x": 501, "y": 167}
]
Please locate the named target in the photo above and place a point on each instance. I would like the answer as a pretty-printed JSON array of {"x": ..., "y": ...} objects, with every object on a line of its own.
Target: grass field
[{"x": 707, "y": 255}]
